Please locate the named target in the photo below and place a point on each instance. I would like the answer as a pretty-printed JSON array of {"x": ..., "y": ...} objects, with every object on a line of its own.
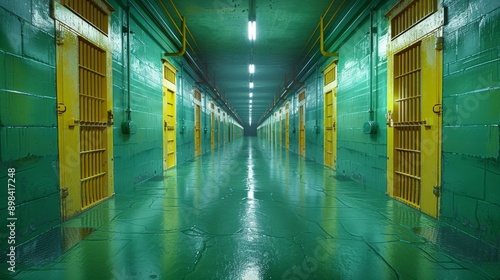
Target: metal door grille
[
  {"x": 170, "y": 128},
  {"x": 93, "y": 123},
  {"x": 329, "y": 129},
  {"x": 411, "y": 15},
  {"x": 212, "y": 134},
  {"x": 197, "y": 128},
  {"x": 407, "y": 153},
  {"x": 287, "y": 126},
  {"x": 302, "y": 132},
  {"x": 329, "y": 76},
  {"x": 95, "y": 12}
]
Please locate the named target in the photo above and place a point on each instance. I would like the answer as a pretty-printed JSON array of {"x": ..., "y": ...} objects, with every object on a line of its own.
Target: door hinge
[
  {"x": 64, "y": 192},
  {"x": 437, "y": 109},
  {"x": 436, "y": 191},
  {"x": 59, "y": 37},
  {"x": 110, "y": 117},
  {"x": 61, "y": 108},
  {"x": 439, "y": 43}
]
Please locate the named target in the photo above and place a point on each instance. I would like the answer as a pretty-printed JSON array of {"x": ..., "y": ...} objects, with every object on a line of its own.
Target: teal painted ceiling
[{"x": 220, "y": 30}]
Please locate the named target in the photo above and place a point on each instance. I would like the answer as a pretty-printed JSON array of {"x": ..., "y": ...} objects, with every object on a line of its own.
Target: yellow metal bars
[
  {"x": 93, "y": 123},
  {"x": 197, "y": 123},
  {"x": 411, "y": 15},
  {"x": 170, "y": 127},
  {"x": 95, "y": 12},
  {"x": 407, "y": 146}
]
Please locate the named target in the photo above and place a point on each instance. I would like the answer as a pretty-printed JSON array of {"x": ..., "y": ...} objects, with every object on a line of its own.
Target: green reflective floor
[{"x": 254, "y": 211}]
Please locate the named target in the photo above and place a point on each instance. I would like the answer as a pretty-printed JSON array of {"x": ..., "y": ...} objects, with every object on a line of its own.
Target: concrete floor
[{"x": 253, "y": 211}]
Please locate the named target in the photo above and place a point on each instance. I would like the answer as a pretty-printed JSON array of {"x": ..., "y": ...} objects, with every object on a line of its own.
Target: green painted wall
[
  {"x": 360, "y": 156},
  {"x": 471, "y": 117},
  {"x": 139, "y": 157},
  {"x": 28, "y": 118}
]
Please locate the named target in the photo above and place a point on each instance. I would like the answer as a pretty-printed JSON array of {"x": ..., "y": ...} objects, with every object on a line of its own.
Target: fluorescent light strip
[
  {"x": 251, "y": 85},
  {"x": 251, "y": 68},
  {"x": 252, "y": 30}
]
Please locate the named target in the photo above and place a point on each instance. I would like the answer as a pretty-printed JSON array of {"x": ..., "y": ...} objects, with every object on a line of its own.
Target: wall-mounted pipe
[
  {"x": 128, "y": 62},
  {"x": 183, "y": 39},
  {"x": 371, "y": 112},
  {"x": 370, "y": 127},
  {"x": 322, "y": 40},
  {"x": 128, "y": 126}
]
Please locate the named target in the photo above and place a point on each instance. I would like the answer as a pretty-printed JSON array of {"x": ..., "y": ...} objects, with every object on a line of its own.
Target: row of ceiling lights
[{"x": 252, "y": 36}]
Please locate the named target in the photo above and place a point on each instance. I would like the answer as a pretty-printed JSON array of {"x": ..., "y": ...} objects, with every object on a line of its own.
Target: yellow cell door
[
  {"x": 330, "y": 130},
  {"x": 287, "y": 127},
  {"x": 217, "y": 127},
  {"x": 85, "y": 117},
  {"x": 416, "y": 122},
  {"x": 212, "y": 129},
  {"x": 197, "y": 131},
  {"x": 280, "y": 127},
  {"x": 330, "y": 90},
  {"x": 169, "y": 116},
  {"x": 302, "y": 125},
  {"x": 197, "y": 123},
  {"x": 414, "y": 106}
]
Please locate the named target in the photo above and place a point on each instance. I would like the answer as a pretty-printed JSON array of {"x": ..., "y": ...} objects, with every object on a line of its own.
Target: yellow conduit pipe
[
  {"x": 322, "y": 40},
  {"x": 183, "y": 48}
]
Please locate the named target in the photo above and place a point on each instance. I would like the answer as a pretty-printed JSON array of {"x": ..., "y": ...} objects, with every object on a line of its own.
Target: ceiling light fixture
[
  {"x": 252, "y": 30},
  {"x": 251, "y": 94},
  {"x": 251, "y": 68},
  {"x": 251, "y": 85},
  {"x": 250, "y": 101}
]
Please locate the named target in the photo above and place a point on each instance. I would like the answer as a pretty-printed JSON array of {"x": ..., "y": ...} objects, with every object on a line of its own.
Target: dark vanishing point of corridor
[{"x": 251, "y": 210}]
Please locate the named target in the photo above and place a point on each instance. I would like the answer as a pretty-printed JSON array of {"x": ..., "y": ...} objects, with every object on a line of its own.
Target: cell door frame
[
  {"x": 280, "y": 129},
  {"x": 218, "y": 116},
  {"x": 302, "y": 122},
  {"x": 224, "y": 127},
  {"x": 287, "y": 126},
  {"x": 427, "y": 34},
  {"x": 330, "y": 125},
  {"x": 77, "y": 149},
  {"x": 197, "y": 122},
  {"x": 212, "y": 126},
  {"x": 169, "y": 89}
]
